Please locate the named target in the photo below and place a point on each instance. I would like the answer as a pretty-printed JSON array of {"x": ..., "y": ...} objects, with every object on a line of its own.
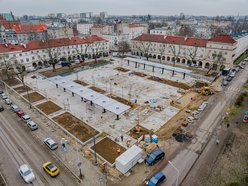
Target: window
[
  {"x": 20, "y": 54},
  {"x": 27, "y": 59},
  {"x": 21, "y": 60},
  {"x": 33, "y": 57}
]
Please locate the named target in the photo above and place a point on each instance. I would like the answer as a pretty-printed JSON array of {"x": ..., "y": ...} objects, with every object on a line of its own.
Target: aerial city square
[{"x": 123, "y": 93}]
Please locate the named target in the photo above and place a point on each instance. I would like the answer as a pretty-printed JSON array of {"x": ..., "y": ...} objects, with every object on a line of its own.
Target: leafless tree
[
  {"x": 176, "y": 51},
  {"x": 186, "y": 31},
  {"x": 219, "y": 60},
  {"x": 51, "y": 53},
  {"x": 123, "y": 47},
  {"x": 161, "y": 51},
  {"x": 143, "y": 47},
  {"x": 7, "y": 66}
]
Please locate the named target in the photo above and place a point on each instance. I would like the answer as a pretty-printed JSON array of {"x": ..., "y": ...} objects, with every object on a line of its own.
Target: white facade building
[
  {"x": 37, "y": 52},
  {"x": 114, "y": 39},
  {"x": 84, "y": 29},
  {"x": 215, "y": 53}
]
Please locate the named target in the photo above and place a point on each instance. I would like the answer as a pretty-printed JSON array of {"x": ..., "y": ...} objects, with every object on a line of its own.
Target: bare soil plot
[
  {"x": 12, "y": 82},
  {"x": 22, "y": 89},
  {"x": 140, "y": 74},
  {"x": 48, "y": 107},
  {"x": 98, "y": 90},
  {"x": 169, "y": 82},
  {"x": 34, "y": 96},
  {"x": 75, "y": 126},
  {"x": 58, "y": 71},
  {"x": 143, "y": 131},
  {"x": 122, "y": 100},
  {"x": 107, "y": 149},
  {"x": 122, "y": 69},
  {"x": 81, "y": 82}
]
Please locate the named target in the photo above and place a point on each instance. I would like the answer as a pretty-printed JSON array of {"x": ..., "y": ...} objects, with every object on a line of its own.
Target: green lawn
[{"x": 240, "y": 58}]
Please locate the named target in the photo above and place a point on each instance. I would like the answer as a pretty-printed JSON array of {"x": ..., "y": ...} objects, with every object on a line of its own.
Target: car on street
[
  {"x": 20, "y": 113},
  {"x": 51, "y": 143},
  {"x": 1, "y": 91},
  {"x": 154, "y": 157},
  {"x": 194, "y": 65},
  {"x": 26, "y": 118},
  {"x": 14, "y": 108},
  {"x": 26, "y": 173},
  {"x": 157, "y": 179},
  {"x": 229, "y": 78},
  {"x": 1, "y": 108},
  {"x": 32, "y": 125},
  {"x": 243, "y": 63},
  {"x": 245, "y": 119},
  {"x": 51, "y": 169},
  {"x": 242, "y": 67},
  {"x": 8, "y": 101}
]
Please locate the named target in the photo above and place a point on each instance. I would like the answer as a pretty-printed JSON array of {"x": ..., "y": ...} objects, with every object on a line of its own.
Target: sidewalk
[{"x": 92, "y": 175}]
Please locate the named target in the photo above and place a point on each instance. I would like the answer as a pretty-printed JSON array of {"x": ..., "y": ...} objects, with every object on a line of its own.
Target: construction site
[{"x": 117, "y": 104}]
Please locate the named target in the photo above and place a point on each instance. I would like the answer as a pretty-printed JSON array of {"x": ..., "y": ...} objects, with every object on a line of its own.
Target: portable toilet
[{"x": 154, "y": 138}]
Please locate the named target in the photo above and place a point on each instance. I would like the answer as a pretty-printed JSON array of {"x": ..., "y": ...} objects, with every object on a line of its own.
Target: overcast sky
[{"x": 127, "y": 7}]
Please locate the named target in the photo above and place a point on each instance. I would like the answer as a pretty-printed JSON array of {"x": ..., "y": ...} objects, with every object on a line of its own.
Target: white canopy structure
[
  {"x": 90, "y": 95},
  {"x": 156, "y": 65}
]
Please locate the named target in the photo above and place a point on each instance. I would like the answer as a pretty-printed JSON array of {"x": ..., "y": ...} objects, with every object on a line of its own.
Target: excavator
[{"x": 206, "y": 91}]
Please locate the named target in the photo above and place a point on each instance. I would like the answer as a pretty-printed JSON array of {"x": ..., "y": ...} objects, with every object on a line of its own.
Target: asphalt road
[
  {"x": 19, "y": 146},
  {"x": 185, "y": 159}
]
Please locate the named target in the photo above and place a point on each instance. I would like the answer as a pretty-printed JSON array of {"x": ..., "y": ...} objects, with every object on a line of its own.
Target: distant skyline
[{"x": 126, "y": 7}]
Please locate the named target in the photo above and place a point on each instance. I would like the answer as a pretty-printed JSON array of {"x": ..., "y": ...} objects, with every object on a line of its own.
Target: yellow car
[{"x": 51, "y": 169}]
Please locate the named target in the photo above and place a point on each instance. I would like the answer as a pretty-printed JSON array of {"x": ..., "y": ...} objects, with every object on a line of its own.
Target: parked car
[
  {"x": 194, "y": 65},
  {"x": 20, "y": 113},
  {"x": 157, "y": 179},
  {"x": 243, "y": 63},
  {"x": 242, "y": 67},
  {"x": 1, "y": 91},
  {"x": 1, "y": 108},
  {"x": 237, "y": 68},
  {"x": 26, "y": 173},
  {"x": 154, "y": 157},
  {"x": 14, "y": 108},
  {"x": 229, "y": 78},
  {"x": 245, "y": 119},
  {"x": 8, "y": 101},
  {"x": 26, "y": 118},
  {"x": 65, "y": 64},
  {"x": 4, "y": 96},
  {"x": 51, "y": 143},
  {"x": 51, "y": 169},
  {"x": 233, "y": 74},
  {"x": 32, "y": 125},
  {"x": 225, "y": 83}
]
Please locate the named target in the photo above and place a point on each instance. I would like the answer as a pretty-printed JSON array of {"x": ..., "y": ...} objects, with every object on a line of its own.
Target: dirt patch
[
  {"x": 22, "y": 89},
  {"x": 81, "y": 82},
  {"x": 143, "y": 131},
  {"x": 107, "y": 149},
  {"x": 61, "y": 70},
  {"x": 179, "y": 120},
  {"x": 121, "y": 69},
  {"x": 75, "y": 126},
  {"x": 12, "y": 82},
  {"x": 122, "y": 100},
  {"x": 140, "y": 74},
  {"x": 98, "y": 90},
  {"x": 48, "y": 107},
  {"x": 33, "y": 97},
  {"x": 169, "y": 82}
]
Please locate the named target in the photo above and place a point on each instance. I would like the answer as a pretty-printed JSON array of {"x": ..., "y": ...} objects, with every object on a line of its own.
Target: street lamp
[{"x": 176, "y": 170}]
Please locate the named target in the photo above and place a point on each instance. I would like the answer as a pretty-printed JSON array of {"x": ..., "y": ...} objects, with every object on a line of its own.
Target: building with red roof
[
  {"x": 37, "y": 52},
  {"x": 215, "y": 53}
]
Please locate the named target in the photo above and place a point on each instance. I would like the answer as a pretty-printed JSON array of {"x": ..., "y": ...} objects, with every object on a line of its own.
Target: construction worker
[
  {"x": 217, "y": 141},
  {"x": 137, "y": 129}
]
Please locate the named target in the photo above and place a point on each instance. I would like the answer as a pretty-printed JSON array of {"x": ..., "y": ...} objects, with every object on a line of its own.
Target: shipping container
[{"x": 128, "y": 159}]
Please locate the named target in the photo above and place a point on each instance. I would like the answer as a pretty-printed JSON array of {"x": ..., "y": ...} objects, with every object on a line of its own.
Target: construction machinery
[{"x": 206, "y": 91}]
